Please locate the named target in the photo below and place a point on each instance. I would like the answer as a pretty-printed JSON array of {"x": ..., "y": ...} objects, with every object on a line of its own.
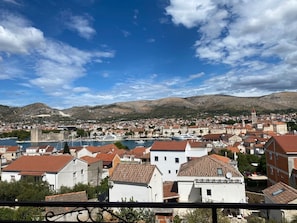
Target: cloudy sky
[{"x": 95, "y": 52}]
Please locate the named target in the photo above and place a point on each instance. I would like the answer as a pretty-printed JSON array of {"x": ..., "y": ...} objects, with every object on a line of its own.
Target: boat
[
  {"x": 184, "y": 137},
  {"x": 111, "y": 137},
  {"x": 140, "y": 141}
]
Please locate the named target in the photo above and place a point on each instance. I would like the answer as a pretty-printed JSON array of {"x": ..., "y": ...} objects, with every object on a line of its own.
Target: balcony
[{"x": 107, "y": 212}]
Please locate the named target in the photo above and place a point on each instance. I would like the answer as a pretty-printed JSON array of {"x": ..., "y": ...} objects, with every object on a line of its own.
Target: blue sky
[{"x": 68, "y": 53}]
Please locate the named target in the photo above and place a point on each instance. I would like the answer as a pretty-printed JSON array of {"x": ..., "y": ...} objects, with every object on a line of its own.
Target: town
[{"x": 192, "y": 161}]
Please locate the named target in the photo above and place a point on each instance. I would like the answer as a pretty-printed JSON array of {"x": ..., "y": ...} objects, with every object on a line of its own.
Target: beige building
[{"x": 38, "y": 136}]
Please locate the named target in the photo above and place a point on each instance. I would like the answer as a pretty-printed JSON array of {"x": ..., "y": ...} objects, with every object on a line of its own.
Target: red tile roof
[
  {"x": 207, "y": 166},
  {"x": 133, "y": 173},
  {"x": 169, "y": 146},
  {"x": 280, "y": 193},
  {"x": 197, "y": 144},
  {"x": 39, "y": 164},
  {"x": 106, "y": 157},
  {"x": 13, "y": 148},
  {"x": 233, "y": 149},
  {"x": 221, "y": 158},
  {"x": 138, "y": 152},
  {"x": 212, "y": 137},
  {"x": 90, "y": 159},
  {"x": 287, "y": 142},
  {"x": 80, "y": 196},
  {"x": 170, "y": 190}
]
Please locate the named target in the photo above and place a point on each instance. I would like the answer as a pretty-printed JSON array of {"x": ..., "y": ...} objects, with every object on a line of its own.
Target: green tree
[
  {"x": 177, "y": 219},
  {"x": 6, "y": 214},
  {"x": 262, "y": 165},
  {"x": 135, "y": 214},
  {"x": 204, "y": 215},
  {"x": 81, "y": 133},
  {"x": 91, "y": 191},
  {"x": 66, "y": 148},
  {"x": 28, "y": 214},
  {"x": 121, "y": 145}
]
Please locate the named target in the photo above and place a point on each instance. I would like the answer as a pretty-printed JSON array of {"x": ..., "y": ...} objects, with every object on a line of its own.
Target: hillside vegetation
[{"x": 161, "y": 108}]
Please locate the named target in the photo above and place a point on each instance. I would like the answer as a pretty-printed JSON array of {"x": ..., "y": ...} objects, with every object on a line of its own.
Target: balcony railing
[{"x": 97, "y": 211}]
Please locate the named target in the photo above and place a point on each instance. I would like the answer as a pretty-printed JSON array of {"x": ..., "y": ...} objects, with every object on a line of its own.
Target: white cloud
[
  {"x": 81, "y": 24},
  {"x": 256, "y": 39},
  {"x": 151, "y": 40},
  {"x": 17, "y": 36},
  {"x": 126, "y": 33},
  {"x": 62, "y": 64},
  {"x": 14, "y": 2},
  {"x": 49, "y": 65}
]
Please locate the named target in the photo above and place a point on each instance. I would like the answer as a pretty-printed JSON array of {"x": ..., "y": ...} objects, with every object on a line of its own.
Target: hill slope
[{"x": 166, "y": 107}]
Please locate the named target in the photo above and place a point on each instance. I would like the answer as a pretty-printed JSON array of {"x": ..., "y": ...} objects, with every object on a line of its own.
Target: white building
[
  {"x": 169, "y": 155},
  {"x": 40, "y": 150},
  {"x": 210, "y": 179},
  {"x": 62, "y": 170},
  {"x": 136, "y": 182}
]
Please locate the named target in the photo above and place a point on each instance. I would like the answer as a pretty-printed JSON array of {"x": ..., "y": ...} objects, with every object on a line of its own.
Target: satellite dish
[{"x": 228, "y": 175}]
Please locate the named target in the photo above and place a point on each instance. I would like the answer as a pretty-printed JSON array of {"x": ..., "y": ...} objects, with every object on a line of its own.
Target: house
[
  {"x": 95, "y": 150},
  {"x": 137, "y": 182},
  {"x": 170, "y": 191},
  {"x": 139, "y": 154},
  {"x": 110, "y": 161},
  {"x": 9, "y": 153},
  {"x": 280, "y": 193},
  {"x": 281, "y": 159},
  {"x": 62, "y": 170},
  {"x": 95, "y": 169},
  {"x": 168, "y": 155},
  {"x": 66, "y": 214},
  {"x": 209, "y": 179},
  {"x": 40, "y": 150}
]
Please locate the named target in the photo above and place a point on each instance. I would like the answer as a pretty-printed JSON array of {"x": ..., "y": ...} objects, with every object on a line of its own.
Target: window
[
  {"x": 220, "y": 171},
  {"x": 82, "y": 171},
  {"x": 156, "y": 158},
  {"x": 176, "y": 171},
  {"x": 169, "y": 171},
  {"x": 52, "y": 187},
  {"x": 208, "y": 192},
  {"x": 165, "y": 158},
  {"x": 12, "y": 177},
  {"x": 176, "y": 160},
  {"x": 74, "y": 174},
  {"x": 270, "y": 155}
]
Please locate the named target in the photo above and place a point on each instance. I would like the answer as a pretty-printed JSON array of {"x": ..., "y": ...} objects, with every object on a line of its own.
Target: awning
[{"x": 32, "y": 173}]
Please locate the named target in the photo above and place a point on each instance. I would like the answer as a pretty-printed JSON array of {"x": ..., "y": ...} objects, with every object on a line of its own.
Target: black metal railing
[{"x": 96, "y": 211}]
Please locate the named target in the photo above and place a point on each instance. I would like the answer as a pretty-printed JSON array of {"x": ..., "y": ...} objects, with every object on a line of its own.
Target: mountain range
[{"x": 161, "y": 108}]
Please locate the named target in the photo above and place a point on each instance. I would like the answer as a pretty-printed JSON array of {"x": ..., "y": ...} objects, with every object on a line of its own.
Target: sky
[{"x": 67, "y": 53}]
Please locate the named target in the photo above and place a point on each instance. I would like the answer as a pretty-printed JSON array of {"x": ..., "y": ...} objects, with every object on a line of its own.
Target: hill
[{"x": 161, "y": 108}]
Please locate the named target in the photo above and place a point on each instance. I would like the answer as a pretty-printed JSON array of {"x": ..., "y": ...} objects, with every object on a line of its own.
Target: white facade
[
  {"x": 211, "y": 189},
  {"x": 73, "y": 173},
  {"x": 210, "y": 179},
  {"x": 84, "y": 152},
  {"x": 151, "y": 192},
  {"x": 169, "y": 161},
  {"x": 195, "y": 152}
]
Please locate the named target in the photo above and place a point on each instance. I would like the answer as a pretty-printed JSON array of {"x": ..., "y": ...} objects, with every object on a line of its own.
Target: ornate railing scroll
[{"x": 109, "y": 212}]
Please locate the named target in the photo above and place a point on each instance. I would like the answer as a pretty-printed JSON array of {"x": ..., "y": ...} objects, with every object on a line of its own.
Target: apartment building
[{"x": 281, "y": 159}]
